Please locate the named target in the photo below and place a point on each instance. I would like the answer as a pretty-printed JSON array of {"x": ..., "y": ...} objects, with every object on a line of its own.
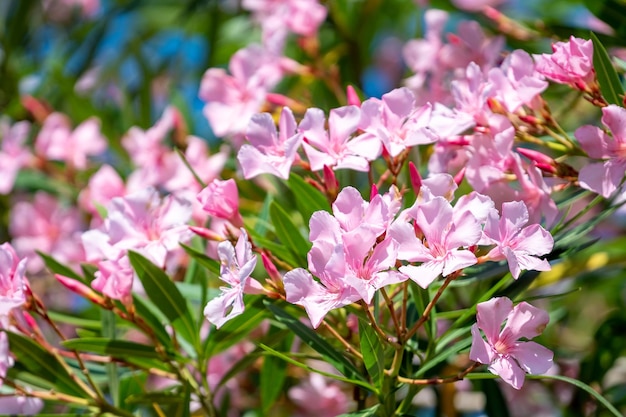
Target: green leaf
[
  {"x": 308, "y": 198},
  {"x": 109, "y": 332},
  {"x": 273, "y": 374},
  {"x": 288, "y": 233},
  {"x": 316, "y": 342},
  {"x": 41, "y": 363},
  {"x": 58, "y": 268},
  {"x": 292, "y": 361},
  {"x": 211, "y": 264},
  {"x": 373, "y": 353},
  {"x": 277, "y": 249},
  {"x": 608, "y": 79},
  {"x": 370, "y": 412},
  {"x": 165, "y": 296},
  {"x": 148, "y": 313}
]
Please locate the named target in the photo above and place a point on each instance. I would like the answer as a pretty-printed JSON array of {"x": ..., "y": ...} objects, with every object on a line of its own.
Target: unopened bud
[
  {"x": 272, "y": 271},
  {"x": 416, "y": 178},
  {"x": 353, "y": 97},
  {"x": 330, "y": 181},
  {"x": 458, "y": 178},
  {"x": 80, "y": 289},
  {"x": 541, "y": 159},
  {"x": 38, "y": 109},
  {"x": 495, "y": 106},
  {"x": 207, "y": 233}
]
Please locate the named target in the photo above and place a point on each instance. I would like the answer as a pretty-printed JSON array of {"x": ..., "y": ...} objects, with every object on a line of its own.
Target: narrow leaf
[
  {"x": 316, "y": 342},
  {"x": 165, "y": 296},
  {"x": 608, "y": 79},
  {"x": 286, "y": 358},
  {"x": 43, "y": 364},
  {"x": 58, "y": 268},
  {"x": 370, "y": 412},
  {"x": 373, "y": 353},
  {"x": 211, "y": 264},
  {"x": 288, "y": 233},
  {"x": 308, "y": 198}
]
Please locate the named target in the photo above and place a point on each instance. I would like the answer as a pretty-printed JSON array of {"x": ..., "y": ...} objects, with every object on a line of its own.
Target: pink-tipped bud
[
  {"x": 330, "y": 181},
  {"x": 38, "y": 109},
  {"x": 207, "y": 233},
  {"x": 493, "y": 14},
  {"x": 31, "y": 322},
  {"x": 373, "y": 192},
  {"x": 495, "y": 106},
  {"x": 80, "y": 289},
  {"x": 530, "y": 119},
  {"x": 353, "y": 97},
  {"x": 537, "y": 156},
  {"x": 416, "y": 178},
  {"x": 458, "y": 178},
  {"x": 272, "y": 271},
  {"x": 279, "y": 99}
]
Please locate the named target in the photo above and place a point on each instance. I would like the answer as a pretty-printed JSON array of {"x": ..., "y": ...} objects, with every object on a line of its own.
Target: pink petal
[
  {"x": 532, "y": 357},
  {"x": 224, "y": 307},
  {"x": 424, "y": 274},
  {"x": 490, "y": 315},
  {"x": 509, "y": 371},
  {"x": 525, "y": 321},
  {"x": 480, "y": 350}
]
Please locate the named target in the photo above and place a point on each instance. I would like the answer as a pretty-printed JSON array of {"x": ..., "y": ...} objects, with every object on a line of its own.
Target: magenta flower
[
  {"x": 56, "y": 140},
  {"x": 336, "y": 148},
  {"x": 270, "y": 151},
  {"x": 570, "y": 63},
  {"x": 12, "y": 280},
  {"x": 237, "y": 262},
  {"x": 604, "y": 177},
  {"x": 519, "y": 245},
  {"x": 502, "y": 351}
]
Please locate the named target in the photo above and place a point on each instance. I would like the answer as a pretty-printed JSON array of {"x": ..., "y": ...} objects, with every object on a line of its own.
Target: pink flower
[
  {"x": 476, "y": 5},
  {"x": 318, "y": 397},
  {"x": 103, "y": 186},
  {"x": 505, "y": 355},
  {"x": 12, "y": 280},
  {"x": 114, "y": 279},
  {"x": 233, "y": 99},
  {"x": 571, "y": 63},
  {"x": 604, "y": 177},
  {"x": 6, "y": 361},
  {"x": 57, "y": 141},
  {"x": 13, "y": 152},
  {"x": 146, "y": 223},
  {"x": 396, "y": 122},
  {"x": 515, "y": 82},
  {"x": 47, "y": 226},
  {"x": 519, "y": 245},
  {"x": 237, "y": 264},
  {"x": 336, "y": 148},
  {"x": 270, "y": 151},
  {"x": 221, "y": 199},
  {"x": 445, "y": 233},
  {"x": 21, "y": 405}
]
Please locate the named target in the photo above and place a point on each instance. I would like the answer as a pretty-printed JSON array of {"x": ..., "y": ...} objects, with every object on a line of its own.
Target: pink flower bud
[
  {"x": 416, "y": 178},
  {"x": 353, "y": 97},
  {"x": 271, "y": 270},
  {"x": 207, "y": 233},
  {"x": 80, "y": 289}
]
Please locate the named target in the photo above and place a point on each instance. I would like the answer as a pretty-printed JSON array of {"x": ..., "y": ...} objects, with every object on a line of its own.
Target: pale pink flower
[
  {"x": 21, "y": 405},
  {"x": 470, "y": 44},
  {"x": 570, "y": 63},
  {"x": 221, "y": 199},
  {"x": 502, "y": 351},
  {"x": 61, "y": 11},
  {"x": 233, "y": 99},
  {"x": 446, "y": 235},
  {"x": 317, "y": 298},
  {"x": 515, "y": 82},
  {"x": 316, "y": 396},
  {"x": 604, "y": 177},
  {"x": 396, "y": 122},
  {"x": 115, "y": 279},
  {"x": 270, "y": 151},
  {"x": 47, "y": 226},
  {"x": 148, "y": 224},
  {"x": 57, "y": 141},
  {"x": 14, "y": 154},
  {"x": 519, "y": 245},
  {"x": 237, "y": 264},
  {"x": 476, "y": 5},
  {"x": 103, "y": 186},
  {"x": 13, "y": 283},
  {"x": 6, "y": 361},
  {"x": 336, "y": 148}
]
